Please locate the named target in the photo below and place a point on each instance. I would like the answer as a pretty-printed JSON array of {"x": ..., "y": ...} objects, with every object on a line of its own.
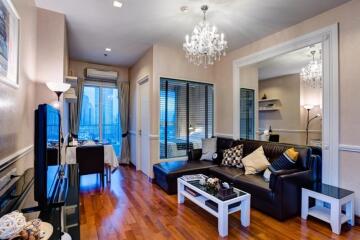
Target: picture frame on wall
[{"x": 9, "y": 43}]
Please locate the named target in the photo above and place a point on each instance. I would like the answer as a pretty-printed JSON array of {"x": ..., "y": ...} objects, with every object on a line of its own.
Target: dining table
[{"x": 111, "y": 161}]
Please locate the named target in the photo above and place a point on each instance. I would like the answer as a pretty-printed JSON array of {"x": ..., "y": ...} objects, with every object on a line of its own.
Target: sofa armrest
[
  {"x": 194, "y": 154},
  {"x": 315, "y": 164},
  {"x": 293, "y": 177}
]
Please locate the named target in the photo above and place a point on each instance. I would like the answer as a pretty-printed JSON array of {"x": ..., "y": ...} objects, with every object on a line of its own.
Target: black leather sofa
[{"x": 279, "y": 198}]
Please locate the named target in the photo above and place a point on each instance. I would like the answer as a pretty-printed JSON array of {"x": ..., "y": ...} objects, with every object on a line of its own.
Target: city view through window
[{"x": 100, "y": 118}]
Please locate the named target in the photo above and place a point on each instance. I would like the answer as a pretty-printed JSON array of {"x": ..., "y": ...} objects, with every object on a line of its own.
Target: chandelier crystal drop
[
  {"x": 206, "y": 45},
  {"x": 311, "y": 74}
]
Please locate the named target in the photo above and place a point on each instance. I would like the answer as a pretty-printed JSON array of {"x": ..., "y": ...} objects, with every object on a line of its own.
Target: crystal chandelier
[
  {"x": 311, "y": 74},
  {"x": 205, "y": 45}
]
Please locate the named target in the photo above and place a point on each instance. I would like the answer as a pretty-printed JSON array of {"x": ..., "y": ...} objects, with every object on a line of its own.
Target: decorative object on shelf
[
  {"x": 308, "y": 108},
  {"x": 264, "y": 97},
  {"x": 9, "y": 41},
  {"x": 206, "y": 45},
  {"x": 11, "y": 224},
  {"x": 311, "y": 74}
]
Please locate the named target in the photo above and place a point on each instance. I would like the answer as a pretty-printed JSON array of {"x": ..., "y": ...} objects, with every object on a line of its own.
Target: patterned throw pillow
[
  {"x": 286, "y": 161},
  {"x": 232, "y": 157}
]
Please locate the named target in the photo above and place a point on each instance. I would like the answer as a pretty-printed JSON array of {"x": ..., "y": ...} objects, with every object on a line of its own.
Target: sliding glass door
[
  {"x": 186, "y": 116},
  {"x": 100, "y": 119}
]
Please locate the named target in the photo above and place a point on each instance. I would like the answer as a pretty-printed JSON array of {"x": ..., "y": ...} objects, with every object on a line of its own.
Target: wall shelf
[
  {"x": 268, "y": 100},
  {"x": 269, "y": 109}
]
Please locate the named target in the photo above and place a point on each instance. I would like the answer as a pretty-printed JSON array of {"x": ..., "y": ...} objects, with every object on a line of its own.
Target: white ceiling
[
  {"x": 94, "y": 25},
  {"x": 289, "y": 63}
]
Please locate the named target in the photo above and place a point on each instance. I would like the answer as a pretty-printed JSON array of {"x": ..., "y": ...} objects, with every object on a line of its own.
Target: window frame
[
  {"x": 101, "y": 86},
  {"x": 207, "y": 132}
]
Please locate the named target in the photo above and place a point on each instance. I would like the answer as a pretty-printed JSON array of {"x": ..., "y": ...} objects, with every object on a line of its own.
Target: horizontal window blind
[{"x": 186, "y": 116}]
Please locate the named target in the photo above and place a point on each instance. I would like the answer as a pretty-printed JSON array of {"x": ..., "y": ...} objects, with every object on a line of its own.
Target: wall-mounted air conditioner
[{"x": 100, "y": 74}]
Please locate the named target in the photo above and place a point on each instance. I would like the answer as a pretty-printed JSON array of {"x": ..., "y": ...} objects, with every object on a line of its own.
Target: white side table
[{"x": 338, "y": 199}]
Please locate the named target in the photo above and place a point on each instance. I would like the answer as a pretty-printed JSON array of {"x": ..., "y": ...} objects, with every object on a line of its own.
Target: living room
[{"x": 139, "y": 99}]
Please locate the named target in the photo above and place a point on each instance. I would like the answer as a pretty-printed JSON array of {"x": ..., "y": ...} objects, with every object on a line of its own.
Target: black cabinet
[{"x": 20, "y": 196}]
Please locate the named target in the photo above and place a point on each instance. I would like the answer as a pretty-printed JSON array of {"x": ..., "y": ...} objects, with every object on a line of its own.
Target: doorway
[
  {"x": 143, "y": 129},
  {"x": 328, "y": 38}
]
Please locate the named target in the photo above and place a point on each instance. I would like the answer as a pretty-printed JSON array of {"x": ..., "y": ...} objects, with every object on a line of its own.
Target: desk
[{"x": 110, "y": 160}]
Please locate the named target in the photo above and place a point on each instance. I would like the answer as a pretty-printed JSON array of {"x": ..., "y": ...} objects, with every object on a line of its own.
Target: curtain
[
  {"x": 75, "y": 108},
  {"x": 123, "y": 93}
]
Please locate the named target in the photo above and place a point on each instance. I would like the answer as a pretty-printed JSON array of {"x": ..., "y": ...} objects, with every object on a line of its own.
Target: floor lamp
[
  {"x": 308, "y": 109},
  {"x": 58, "y": 88}
]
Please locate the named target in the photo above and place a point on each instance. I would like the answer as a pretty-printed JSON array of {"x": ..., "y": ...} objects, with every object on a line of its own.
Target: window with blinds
[
  {"x": 247, "y": 113},
  {"x": 186, "y": 116}
]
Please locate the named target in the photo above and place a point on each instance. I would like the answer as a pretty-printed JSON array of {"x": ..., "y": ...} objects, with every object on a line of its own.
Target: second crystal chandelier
[{"x": 206, "y": 45}]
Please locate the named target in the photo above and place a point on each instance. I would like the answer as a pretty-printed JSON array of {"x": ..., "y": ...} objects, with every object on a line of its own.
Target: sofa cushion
[
  {"x": 208, "y": 148},
  {"x": 226, "y": 173},
  {"x": 232, "y": 157},
  {"x": 287, "y": 160},
  {"x": 255, "y": 162},
  {"x": 182, "y": 167},
  {"x": 166, "y": 173},
  {"x": 255, "y": 185}
]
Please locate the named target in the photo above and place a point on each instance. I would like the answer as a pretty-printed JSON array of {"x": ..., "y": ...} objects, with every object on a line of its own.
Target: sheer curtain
[
  {"x": 75, "y": 108},
  {"x": 123, "y": 88}
]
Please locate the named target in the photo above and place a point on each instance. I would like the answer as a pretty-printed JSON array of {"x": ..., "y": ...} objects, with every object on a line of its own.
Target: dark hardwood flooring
[{"x": 133, "y": 208}]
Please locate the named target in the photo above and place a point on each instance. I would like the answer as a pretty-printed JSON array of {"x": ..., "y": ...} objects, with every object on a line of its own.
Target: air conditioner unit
[{"x": 100, "y": 74}]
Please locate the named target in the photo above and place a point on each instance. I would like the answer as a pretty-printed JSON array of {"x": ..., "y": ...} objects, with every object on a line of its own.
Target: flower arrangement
[{"x": 212, "y": 185}]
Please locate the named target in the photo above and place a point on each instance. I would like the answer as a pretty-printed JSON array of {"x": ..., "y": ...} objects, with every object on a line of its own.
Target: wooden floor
[{"x": 133, "y": 208}]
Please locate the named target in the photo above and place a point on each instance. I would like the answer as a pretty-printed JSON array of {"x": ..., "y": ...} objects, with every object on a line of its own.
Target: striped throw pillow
[{"x": 286, "y": 161}]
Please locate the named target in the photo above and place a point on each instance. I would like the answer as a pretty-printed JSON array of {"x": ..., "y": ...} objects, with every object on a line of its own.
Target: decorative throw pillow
[
  {"x": 232, "y": 157},
  {"x": 208, "y": 148},
  {"x": 286, "y": 161},
  {"x": 255, "y": 162}
]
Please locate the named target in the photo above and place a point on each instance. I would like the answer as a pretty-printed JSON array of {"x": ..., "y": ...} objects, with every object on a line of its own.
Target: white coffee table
[
  {"x": 337, "y": 200},
  {"x": 223, "y": 206}
]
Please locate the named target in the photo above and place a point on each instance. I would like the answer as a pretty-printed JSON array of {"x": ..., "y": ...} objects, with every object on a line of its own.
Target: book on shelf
[
  {"x": 191, "y": 192},
  {"x": 214, "y": 206}
]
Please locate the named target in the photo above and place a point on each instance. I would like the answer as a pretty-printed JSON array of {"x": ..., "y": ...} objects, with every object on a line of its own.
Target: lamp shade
[
  {"x": 308, "y": 106},
  {"x": 58, "y": 86}
]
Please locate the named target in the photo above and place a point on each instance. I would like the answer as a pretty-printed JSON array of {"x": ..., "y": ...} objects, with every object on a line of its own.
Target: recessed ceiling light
[
  {"x": 184, "y": 9},
  {"x": 107, "y": 49},
  {"x": 117, "y": 4}
]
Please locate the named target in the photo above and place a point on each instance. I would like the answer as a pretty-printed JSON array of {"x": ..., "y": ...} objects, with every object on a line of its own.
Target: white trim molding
[
  {"x": 328, "y": 37},
  {"x": 291, "y": 131},
  {"x": 15, "y": 156},
  {"x": 349, "y": 148}
]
